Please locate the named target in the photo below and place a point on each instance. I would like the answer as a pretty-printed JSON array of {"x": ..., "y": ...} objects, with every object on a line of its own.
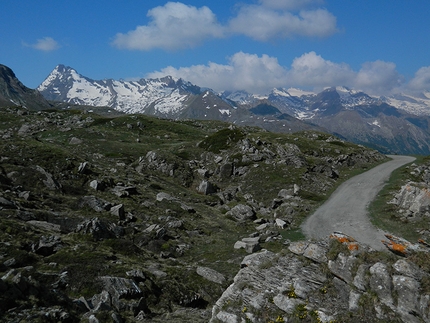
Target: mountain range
[{"x": 398, "y": 124}]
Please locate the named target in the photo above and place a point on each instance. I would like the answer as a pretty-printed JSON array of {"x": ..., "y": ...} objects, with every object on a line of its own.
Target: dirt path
[{"x": 346, "y": 209}]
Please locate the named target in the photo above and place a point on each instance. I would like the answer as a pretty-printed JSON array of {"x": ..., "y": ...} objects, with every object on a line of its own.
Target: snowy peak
[
  {"x": 165, "y": 96},
  {"x": 417, "y": 104}
]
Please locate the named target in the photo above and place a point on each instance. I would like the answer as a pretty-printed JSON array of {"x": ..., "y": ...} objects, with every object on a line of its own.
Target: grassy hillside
[{"x": 65, "y": 174}]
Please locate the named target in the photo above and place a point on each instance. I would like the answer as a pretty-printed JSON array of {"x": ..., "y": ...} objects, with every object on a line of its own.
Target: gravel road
[{"x": 346, "y": 209}]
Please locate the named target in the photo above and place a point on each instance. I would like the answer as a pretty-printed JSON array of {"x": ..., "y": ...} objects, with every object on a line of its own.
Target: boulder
[
  {"x": 118, "y": 211},
  {"x": 281, "y": 223},
  {"x": 165, "y": 196},
  {"x": 75, "y": 141},
  {"x": 97, "y": 228},
  {"x": 207, "y": 188},
  {"x": 408, "y": 293},
  {"x": 316, "y": 253},
  {"x": 97, "y": 185},
  {"x": 381, "y": 283},
  {"x": 47, "y": 245},
  {"x": 50, "y": 182},
  {"x": 124, "y": 191},
  {"x": 342, "y": 267},
  {"x": 407, "y": 268},
  {"x": 242, "y": 212},
  {"x": 6, "y": 204},
  {"x": 211, "y": 275},
  {"x": 120, "y": 288},
  {"x": 95, "y": 203},
  {"x": 83, "y": 168},
  {"x": 226, "y": 170}
]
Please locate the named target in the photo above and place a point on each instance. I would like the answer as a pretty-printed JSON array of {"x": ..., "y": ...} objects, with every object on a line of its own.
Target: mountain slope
[
  {"x": 402, "y": 128},
  {"x": 164, "y": 97},
  {"x": 357, "y": 117},
  {"x": 14, "y": 93}
]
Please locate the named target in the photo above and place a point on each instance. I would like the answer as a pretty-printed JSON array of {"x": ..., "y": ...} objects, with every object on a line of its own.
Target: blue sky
[{"x": 377, "y": 46}]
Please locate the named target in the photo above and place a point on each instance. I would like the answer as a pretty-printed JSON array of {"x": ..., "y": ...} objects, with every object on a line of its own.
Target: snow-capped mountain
[
  {"x": 166, "y": 97},
  {"x": 398, "y": 124}
]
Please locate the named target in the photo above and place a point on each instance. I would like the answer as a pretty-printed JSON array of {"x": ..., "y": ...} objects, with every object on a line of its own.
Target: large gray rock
[
  {"x": 6, "y": 204},
  {"x": 118, "y": 211},
  {"x": 315, "y": 252},
  {"x": 49, "y": 182},
  {"x": 95, "y": 203},
  {"x": 211, "y": 275},
  {"x": 408, "y": 296},
  {"x": 99, "y": 229},
  {"x": 242, "y": 212},
  {"x": 413, "y": 197},
  {"x": 342, "y": 267},
  {"x": 165, "y": 196},
  {"x": 120, "y": 288},
  {"x": 47, "y": 245},
  {"x": 381, "y": 283},
  {"x": 207, "y": 188},
  {"x": 407, "y": 268}
]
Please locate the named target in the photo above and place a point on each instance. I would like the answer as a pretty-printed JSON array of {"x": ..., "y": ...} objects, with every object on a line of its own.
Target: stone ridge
[{"x": 302, "y": 283}]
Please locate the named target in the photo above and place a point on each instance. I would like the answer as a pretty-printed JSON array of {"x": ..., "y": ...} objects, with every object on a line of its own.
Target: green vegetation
[
  {"x": 383, "y": 214},
  {"x": 248, "y": 165}
]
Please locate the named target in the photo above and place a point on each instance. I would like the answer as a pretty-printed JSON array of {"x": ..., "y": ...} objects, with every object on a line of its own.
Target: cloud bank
[
  {"x": 45, "y": 44},
  {"x": 260, "y": 74},
  {"x": 177, "y": 26},
  {"x": 172, "y": 26}
]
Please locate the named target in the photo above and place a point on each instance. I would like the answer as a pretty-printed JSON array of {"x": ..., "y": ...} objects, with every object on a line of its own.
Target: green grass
[{"x": 384, "y": 215}]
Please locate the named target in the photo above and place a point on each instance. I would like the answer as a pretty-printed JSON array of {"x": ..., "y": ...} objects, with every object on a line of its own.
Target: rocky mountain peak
[{"x": 14, "y": 93}]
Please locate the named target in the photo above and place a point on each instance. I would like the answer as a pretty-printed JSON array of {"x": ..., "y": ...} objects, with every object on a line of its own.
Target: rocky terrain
[
  {"x": 327, "y": 281},
  {"x": 339, "y": 279},
  {"x": 137, "y": 219}
]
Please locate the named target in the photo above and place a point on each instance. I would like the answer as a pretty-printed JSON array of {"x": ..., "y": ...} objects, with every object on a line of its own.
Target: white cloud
[
  {"x": 46, "y": 44},
  {"x": 172, "y": 26},
  {"x": 421, "y": 80},
  {"x": 260, "y": 74},
  {"x": 311, "y": 70},
  {"x": 263, "y": 23},
  {"x": 244, "y": 72},
  {"x": 378, "y": 77},
  {"x": 176, "y": 25}
]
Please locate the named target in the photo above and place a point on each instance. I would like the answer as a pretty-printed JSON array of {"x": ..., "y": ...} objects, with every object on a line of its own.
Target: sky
[{"x": 380, "y": 47}]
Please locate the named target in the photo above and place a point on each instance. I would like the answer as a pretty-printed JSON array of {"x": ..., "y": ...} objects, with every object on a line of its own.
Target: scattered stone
[
  {"x": 6, "y": 204},
  {"x": 281, "y": 223},
  {"x": 97, "y": 185},
  {"x": 83, "y": 168},
  {"x": 207, "y": 188},
  {"x": 50, "y": 182},
  {"x": 75, "y": 141},
  {"x": 124, "y": 191},
  {"x": 211, "y": 275},
  {"x": 165, "y": 196},
  {"x": 242, "y": 212},
  {"x": 98, "y": 229},
  {"x": 95, "y": 203},
  {"x": 47, "y": 245},
  {"x": 45, "y": 225},
  {"x": 118, "y": 211},
  {"x": 315, "y": 252}
]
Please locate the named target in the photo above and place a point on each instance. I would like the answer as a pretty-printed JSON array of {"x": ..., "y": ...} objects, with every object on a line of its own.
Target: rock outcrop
[{"x": 303, "y": 283}]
